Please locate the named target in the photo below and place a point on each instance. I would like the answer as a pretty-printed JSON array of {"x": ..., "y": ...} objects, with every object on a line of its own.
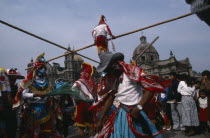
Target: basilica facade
[{"x": 152, "y": 65}]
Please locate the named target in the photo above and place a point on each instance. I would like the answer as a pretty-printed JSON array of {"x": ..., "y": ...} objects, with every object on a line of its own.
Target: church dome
[
  {"x": 78, "y": 58},
  {"x": 140, "y": 48}
]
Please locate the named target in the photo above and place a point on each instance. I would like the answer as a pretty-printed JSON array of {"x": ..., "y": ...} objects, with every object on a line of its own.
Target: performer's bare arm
[
  {"x": 106, "y": 108},
  {"x": 147, "y": 96}
]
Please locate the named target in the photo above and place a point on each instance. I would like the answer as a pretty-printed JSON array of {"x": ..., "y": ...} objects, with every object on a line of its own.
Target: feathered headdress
[
  {"x": 102, "y": 20},
  {"x": 40, "y": 61},
  {"x": 87, "y": 68}
]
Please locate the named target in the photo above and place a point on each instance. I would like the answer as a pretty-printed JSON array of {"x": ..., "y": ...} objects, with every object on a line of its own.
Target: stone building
[
  {"x": 70, "y": 71},
  {"x": 152, "y": 65}
]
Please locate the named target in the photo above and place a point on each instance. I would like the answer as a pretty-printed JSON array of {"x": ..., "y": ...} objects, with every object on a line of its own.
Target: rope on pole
[
  {"x": 19, "y": 29},
  {"x": 150, "y": 26}
]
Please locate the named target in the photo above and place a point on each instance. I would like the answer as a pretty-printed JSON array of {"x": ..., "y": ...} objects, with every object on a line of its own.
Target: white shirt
[
  {"x": 185, "y": 90},
  {"x": 27, "y": 95},
  {"x": 203, "y": 102},
  {"x": 101, "y": 29},
  {"x": 129, "y": 92}
]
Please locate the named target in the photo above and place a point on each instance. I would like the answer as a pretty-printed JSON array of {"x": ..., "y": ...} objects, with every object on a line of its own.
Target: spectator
[
  {"x": 189, "y": 109},
  {"x": 202, "y": 100},
  {"x": 175, "y": 98},
  {"x": 162, "y": 98},
  {"x": 206, "y": 79},
  {"x": 206, "y": 85},
  {"x": 197, "y": 85}
]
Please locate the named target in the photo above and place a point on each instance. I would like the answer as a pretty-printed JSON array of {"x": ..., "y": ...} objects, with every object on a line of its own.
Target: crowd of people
[
  {"x": 106, "y": 106},
  {"x": 116, "y": 99},
  {"x": 186, "y": 103}
]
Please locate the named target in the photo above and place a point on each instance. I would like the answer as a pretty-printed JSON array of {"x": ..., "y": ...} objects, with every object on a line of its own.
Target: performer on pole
[
  {"x": 100, "y": 35},
  {"x": 40, "y": 112},
  {"x": 126, "y": 84}
]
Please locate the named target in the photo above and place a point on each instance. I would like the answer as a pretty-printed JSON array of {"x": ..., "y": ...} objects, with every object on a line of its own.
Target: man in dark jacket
[{"x": 175, "y": 98}]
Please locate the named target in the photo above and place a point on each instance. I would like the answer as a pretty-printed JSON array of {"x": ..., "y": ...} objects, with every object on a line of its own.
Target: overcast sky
[{"x": 72, "y": 21}]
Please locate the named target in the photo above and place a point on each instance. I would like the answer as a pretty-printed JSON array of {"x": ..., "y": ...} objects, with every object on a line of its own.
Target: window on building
[
  {"x": 152, "y": 58},
  {"x": 143, "y": 58}
]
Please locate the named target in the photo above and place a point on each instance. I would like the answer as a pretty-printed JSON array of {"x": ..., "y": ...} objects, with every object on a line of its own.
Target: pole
[
  {"x": 26, "y": 32},
  {"x": 150, "y": 26}
]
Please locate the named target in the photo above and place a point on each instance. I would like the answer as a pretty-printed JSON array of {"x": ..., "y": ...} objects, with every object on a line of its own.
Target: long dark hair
[
  {"x": 189, "y": 81},
  {"x": 206, "y": 73}
]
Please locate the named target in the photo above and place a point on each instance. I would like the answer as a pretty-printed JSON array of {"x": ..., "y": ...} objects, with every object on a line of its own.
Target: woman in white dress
[{"x": 189, "y": 109}]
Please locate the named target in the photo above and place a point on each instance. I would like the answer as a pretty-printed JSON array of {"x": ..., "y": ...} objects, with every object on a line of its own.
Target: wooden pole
[
  {"x": 150, "y": 26},
  {"x": 146, "y": 48},
  {"x": 19, "y": 29}
]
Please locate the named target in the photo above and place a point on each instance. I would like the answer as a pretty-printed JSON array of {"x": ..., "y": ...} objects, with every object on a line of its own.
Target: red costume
[
  {"x": 100, "y": 34},
  {"x": 86, "y": 85}
]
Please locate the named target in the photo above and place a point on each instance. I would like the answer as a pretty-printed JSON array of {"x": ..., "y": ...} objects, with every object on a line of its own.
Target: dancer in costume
[
  {"x": 100, "y": 35},
  {"x": 156, "y": 113},
  {"x": 40, "y": 112},
  {"x": 12, "y": 117},
  {"x": 67, "y": 104},
  {"x": 87, "y": 87},
  {"x": 125, "y": 82},
  {"x": 5, "y": 102}
]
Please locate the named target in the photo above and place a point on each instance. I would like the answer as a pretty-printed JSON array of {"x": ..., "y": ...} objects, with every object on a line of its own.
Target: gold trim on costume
[
  {"x": 45, "y": 119},
  {"x": 84, "y": 125},
  {"x": 37, "y": 59},
  {"x": 35, "y": 91}
]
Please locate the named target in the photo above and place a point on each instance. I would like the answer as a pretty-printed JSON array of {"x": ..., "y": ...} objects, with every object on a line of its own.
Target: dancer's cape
[{"x": 66, "y": 88}]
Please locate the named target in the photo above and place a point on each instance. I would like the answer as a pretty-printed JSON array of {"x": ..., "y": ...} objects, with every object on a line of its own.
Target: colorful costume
[
  {"x": 86, "y": 85},
  {"x": 12, "y": 116},
  {"x": 5, "y": 93},
  {"x": 4, "y": 82},
  {"x": 67, "y": 104},
  {"x": 100, "y": 34},
  {"x": 40, "y": 111},
  {"x": 126, "y": 83}
]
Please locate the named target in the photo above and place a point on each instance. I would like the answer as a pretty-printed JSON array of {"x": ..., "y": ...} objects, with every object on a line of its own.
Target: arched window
[
  {"x": 152, "y": 58},
  {"x": 143, "y": 58}
]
